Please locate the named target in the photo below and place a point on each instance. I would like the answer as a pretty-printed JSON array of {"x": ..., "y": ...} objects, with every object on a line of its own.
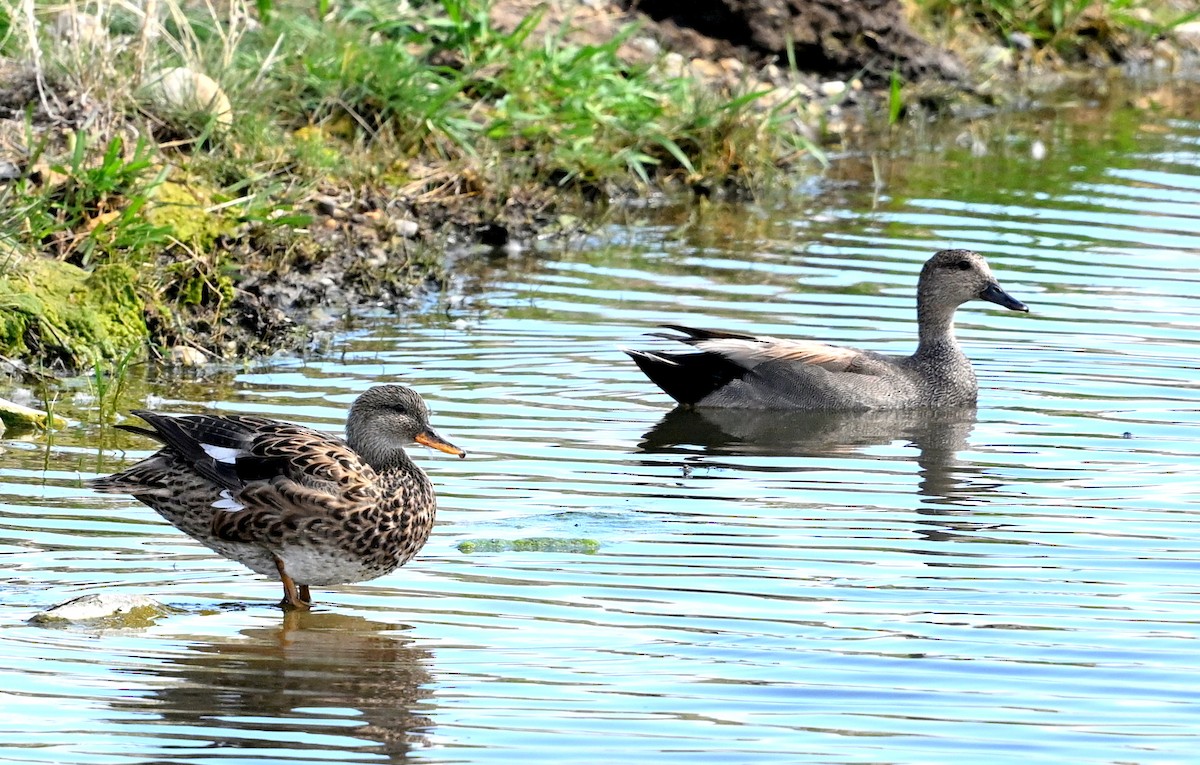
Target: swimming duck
[
  {"x": 736, "y": 370},
  {"x": 289, "y": 501}
]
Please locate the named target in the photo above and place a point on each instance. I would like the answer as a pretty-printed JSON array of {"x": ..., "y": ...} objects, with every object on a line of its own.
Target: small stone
[
  {"x": 674, "y": 65},
  {"x": 182, "y": 89},
  {"x": 187, "y": 356},
  {"x": 126, "y": 610},
  {"x": 326, "y": 205},
  {"x": 832, "y": 88},
  {"x": 1188, "y": 34},
  {"x": 406, "y": 228},
  {"x": 1020, "y": 41},
  {"x": 330, "y": 223},
  {"x": 705, "y": 69},
  {"x": 997, "y": 56}
]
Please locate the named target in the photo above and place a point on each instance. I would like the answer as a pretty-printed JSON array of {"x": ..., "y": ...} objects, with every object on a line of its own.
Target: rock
[
  {"x": 706, "y": 71},
  {"x": 1020, "y": 41},
  {"x": 18, "y": 417},
  {"x": 578, "y": 546},
  {"x": 833, "y": 88},
  {"x": 183, "y": 90},
  {"x": 187, "y": 356},
  {"x": 327, "y": 205},
  {"x": 126, "y": 611},
  {"x": 406, "y": 228},
  {"x": 1188, "y": 34}
]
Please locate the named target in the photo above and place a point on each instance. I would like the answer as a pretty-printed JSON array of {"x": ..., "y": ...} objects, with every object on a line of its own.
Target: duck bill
[
  {"x": 428, "y": 438},
  {"x": 993, "y": 293}
]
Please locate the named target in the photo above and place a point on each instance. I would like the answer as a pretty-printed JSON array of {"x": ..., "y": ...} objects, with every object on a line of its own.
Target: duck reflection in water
[
  {"x": 309, "y": 683},
  {"x": 937, "y": 435}
]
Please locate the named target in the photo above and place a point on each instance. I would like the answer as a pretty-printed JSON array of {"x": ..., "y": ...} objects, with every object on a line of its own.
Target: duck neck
[
  {"x": 935, "y": 328},
  {"x": 383, "y": 458}
]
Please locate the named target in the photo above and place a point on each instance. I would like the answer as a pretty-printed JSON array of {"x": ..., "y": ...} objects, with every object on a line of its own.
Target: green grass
[{"x": 443, "y": 83}]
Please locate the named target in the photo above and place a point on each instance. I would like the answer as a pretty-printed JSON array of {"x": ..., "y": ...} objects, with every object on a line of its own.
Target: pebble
[
  {"x": 326, "y": 205},
  {"x": 187, "y": 356},
  {"x": 1188, "y": 34},
  {"x": 406, "y": 228},
  {"x": 833, "y": 88}
]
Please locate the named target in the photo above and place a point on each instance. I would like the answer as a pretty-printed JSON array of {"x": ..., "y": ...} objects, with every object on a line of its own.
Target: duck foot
[{"x": 295, "y": 597}]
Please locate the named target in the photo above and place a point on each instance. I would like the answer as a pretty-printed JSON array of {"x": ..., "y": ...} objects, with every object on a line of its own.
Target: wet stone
[{"x": 118, "y": 610}]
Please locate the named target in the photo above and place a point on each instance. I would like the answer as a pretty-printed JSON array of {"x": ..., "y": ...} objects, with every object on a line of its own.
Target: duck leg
[
  {"x": 292, "y": 595},
  {"x": 305, "y": 595}
]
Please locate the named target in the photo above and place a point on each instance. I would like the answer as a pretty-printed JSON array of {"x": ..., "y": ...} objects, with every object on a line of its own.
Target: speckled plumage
[
  {"x": 734, "y": 370},
  {"x": 289, "y": 501}
]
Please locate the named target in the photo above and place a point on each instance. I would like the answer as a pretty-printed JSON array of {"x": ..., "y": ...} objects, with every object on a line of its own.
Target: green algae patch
[
  {"x": 579, "y": 546},
  {"x": 186, "y": 209},
  {"x": 105, "y": 611},
  {"x": 68, "y": 317}
]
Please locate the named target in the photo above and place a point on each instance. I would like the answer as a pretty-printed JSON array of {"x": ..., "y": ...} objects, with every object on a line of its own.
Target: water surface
[{"x": 1015, "y": 583}]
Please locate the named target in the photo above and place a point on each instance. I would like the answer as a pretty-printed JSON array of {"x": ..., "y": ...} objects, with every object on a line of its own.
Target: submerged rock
[
  {"x": 121, "y": 611},
  {"x": 530, "y": 544}
]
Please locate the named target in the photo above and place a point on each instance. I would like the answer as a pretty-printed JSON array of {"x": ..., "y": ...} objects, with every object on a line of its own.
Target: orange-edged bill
[{"x": 428, "y": 438}]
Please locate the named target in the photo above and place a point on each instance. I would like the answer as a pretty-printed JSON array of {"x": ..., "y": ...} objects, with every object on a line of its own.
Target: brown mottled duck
[{"x": 289, "y": 501}]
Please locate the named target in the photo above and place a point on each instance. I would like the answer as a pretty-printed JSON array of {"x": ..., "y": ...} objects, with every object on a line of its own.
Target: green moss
[
  {"x": 69, "y": 317},
  {"x": 186, "y": 209},
  {"x": 530, "y": 544}
]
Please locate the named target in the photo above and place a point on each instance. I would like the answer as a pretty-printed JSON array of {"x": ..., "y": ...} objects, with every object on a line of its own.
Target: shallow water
[{"x": 1015, "y": 583}]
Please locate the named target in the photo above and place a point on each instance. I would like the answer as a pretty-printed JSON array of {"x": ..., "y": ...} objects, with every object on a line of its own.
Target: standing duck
[
  {"x": 735, "y": 370},
  {"x": 289, "y": 501}
]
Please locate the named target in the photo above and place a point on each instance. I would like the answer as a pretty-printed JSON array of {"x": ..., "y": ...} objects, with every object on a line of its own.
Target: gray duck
[
  {"x": 289, "y": 501},
  {"x": 735, "y": 370}
]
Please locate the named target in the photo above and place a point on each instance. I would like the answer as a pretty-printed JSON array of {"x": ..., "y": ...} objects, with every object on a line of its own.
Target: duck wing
[
  {"x": 770, "y": 367},
  {"x": 271, "y": 475}
]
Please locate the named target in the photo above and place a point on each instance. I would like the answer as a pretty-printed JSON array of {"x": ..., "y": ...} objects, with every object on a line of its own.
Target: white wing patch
[
  {"x": 227, "y": 502},
  {"x": 225, "y": 454}
]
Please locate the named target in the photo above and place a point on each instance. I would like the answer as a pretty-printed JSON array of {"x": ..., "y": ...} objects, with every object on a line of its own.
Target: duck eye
[{"x": 963, "y": 265}]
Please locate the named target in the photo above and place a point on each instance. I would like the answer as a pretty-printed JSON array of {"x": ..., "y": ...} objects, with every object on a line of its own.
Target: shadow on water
[
  {"x": 327, "y": 682},
  {"x": 937, "y": 435}
]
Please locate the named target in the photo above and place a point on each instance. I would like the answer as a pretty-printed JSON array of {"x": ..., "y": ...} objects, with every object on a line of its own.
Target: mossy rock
[
  {"x": 18, "y": 418},
  {"x": 68, "y": 317},
  {"x": 106, "y": 611}
]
